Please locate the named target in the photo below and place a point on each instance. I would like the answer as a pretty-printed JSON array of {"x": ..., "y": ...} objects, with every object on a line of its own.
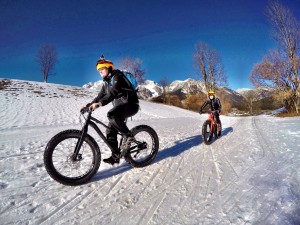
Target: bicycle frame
[
  {"x": 89, "y": 122},
  {"x": 213, "y": 122}
]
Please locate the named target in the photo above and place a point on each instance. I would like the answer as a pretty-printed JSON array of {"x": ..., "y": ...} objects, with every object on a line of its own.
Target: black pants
[
  {"x": 217, "y": 117},
  {"x": 117, "y": 116}
]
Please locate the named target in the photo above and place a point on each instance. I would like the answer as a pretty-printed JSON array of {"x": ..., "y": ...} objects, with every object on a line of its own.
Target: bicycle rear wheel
[
  {"x": 207, "y": 133},
  {"x": 145, "y": 147},
  {"x": 63, "y": 166}
]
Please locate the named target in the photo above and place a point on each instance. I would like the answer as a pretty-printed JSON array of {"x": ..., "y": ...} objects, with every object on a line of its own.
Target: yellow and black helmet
[
  {"x": 104, "y": 63},
  {"x": 211, "y": 92}
]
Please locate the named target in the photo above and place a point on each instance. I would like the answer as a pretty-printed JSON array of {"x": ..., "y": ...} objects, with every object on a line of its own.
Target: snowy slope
[{"x": 249, "y": 176}]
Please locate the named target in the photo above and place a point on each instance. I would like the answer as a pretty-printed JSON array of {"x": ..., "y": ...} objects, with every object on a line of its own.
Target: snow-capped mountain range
[
  {"x": 259, "y": 93},
  {"x": 150, "y": 89}
]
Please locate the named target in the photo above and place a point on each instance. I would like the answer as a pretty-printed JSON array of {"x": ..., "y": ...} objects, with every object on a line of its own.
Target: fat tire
[
  {"x": 204, "y": 129},
  {"x": 220, "y": 132},
  {"x": 48, "y": 161},
  {"x": 155, "y": 146}
]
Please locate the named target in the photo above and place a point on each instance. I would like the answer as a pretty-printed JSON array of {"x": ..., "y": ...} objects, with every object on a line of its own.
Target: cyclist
[
  {"x": 215, "y": 105},
  {"x": 118, "y": 90}
]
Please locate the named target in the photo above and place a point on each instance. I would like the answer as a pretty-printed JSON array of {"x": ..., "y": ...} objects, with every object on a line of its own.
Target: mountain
[
  {"x": 260, "y": 92},
  {"x": 147, "y": 90},
  {"x": 94, "y": 85},
  {"x": 188, "y": 86},
  {"x": 243, "y": 91},
  {"x": 150, "y": 89}
]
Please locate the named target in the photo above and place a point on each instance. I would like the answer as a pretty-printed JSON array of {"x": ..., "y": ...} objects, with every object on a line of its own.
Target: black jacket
[
  {"x": 117, "y": 89},
  {"x": 214, "y": 104}
]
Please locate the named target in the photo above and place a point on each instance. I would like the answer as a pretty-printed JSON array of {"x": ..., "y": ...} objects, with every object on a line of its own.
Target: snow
[
  {"x": 175, "y": 83},
  {"x": 94, "y": 85},
  {"x": 152, "y": 86},
  {"x": 278, "y": 111},
  {"x": 248, "y": 176},
  {"x": 242, "y": 90}
]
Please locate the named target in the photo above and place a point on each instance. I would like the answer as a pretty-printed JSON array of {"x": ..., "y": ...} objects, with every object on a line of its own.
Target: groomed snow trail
[{"x": 248, "y": 176}]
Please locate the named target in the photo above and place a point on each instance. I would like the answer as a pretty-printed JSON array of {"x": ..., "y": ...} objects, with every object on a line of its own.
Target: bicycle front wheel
[
  {"x": 145, "y": 147},
  {"x": 62, "y": 164},
  {"x": 207, "y": 133}
]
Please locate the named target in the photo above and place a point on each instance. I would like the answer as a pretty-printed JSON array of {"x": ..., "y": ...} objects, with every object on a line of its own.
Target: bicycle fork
[{"x": 76, "y": 156}]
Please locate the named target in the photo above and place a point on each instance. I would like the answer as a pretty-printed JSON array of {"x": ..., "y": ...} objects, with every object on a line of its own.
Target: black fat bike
[{"x": 72, "y": 157}]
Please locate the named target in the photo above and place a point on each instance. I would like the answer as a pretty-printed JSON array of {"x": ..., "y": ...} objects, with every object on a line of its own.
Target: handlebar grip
[{"x": 85, "y": 110}]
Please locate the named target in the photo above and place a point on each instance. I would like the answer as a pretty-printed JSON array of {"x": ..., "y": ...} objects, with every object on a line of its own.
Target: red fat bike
[{"x": 211, "y": 128}]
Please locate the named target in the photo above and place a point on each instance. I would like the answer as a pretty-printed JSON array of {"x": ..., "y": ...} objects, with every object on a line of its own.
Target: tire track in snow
[
  {"x": 123, "y": 191},
  {"x": 64, "y": 211},
  {"x": 219, "y": 165},
  {"x": 217, "y": 151},
  {"x": 155, "y": 189},
  {"x": 170, "y": 180},
  {"x": 262, "y": 140},
  {"x": 113, "y": 189},
  {"x": 24, "y": 201},
  {"x": 219, "y": 147},
  {"x": 148, "y": 214},
  {"x": 216, "y": 164},
  {"x": 21, "y": 155},
  {"x": 194, "y": 193}
]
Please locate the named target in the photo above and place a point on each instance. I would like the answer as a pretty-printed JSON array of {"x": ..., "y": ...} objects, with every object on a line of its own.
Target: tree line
[{"x": 278, "y": 69}]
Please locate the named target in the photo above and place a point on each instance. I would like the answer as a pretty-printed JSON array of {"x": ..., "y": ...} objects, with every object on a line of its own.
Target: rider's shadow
[
  {"x": 184, "y": 145},
  {"x": 226, "y": 131},
  {"x": 110, "y": 172},
  {"x": 179, "y": 147},
  {"x": 175, "y": 150}
]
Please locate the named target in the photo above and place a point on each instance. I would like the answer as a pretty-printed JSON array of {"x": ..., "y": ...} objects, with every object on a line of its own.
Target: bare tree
[
  {"x": 164, "y": 82},
  {"x": 280, "y": 68},
  {"x": 210, "y": 65},
  {"x": 250, "y": 97},
  {"x": 47, "y": 57},
  {"x": 133, "y": 66}
]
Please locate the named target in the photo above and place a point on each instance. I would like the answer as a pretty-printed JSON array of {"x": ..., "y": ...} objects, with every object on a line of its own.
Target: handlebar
[
  {"x": 211, "y": 111},
  {"x": 85, "y": 110}
]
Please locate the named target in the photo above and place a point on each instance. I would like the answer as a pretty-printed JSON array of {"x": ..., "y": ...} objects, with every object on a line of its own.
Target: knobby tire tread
[
  {"x": 51, "y": 147},
  {"x": 154, "y": 151}
]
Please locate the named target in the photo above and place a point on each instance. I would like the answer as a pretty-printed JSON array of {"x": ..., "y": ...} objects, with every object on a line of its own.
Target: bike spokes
[
  {"x": 137, "y": 148},
  {"x": 144, "y": 148},
  {"x": 69, "y": 165}
]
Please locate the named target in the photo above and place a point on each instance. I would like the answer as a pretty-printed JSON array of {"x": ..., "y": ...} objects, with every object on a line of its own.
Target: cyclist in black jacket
[
  {"x": 118, "y": 90},
  {"x": 215, "y": 105}
]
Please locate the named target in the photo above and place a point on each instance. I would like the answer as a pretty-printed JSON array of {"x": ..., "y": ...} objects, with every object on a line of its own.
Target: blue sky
[{"x": 162, "y": 33}]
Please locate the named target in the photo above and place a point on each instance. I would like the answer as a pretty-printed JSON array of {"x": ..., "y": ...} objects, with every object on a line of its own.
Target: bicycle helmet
[
  {"x": 211, "y": 92},
  {"x": 104, "y": 63}
]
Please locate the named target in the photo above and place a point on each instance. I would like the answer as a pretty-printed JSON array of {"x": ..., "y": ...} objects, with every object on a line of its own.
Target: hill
[{"x": 248, "y": 176}]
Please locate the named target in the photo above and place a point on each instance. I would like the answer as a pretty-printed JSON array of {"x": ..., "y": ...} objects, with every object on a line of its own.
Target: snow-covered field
[{"x": 249, "y": 176}]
